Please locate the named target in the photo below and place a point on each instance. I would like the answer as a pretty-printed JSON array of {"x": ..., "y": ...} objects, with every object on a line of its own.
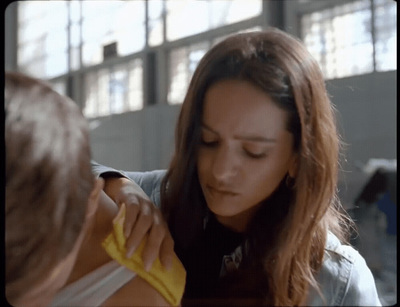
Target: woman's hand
[{"x": 142, "y": 217}]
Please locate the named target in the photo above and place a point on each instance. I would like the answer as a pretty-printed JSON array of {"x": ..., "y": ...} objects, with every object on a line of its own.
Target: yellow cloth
[{"x": 170, "y": 283}]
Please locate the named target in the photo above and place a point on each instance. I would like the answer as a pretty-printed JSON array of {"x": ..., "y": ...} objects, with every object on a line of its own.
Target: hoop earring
[{"x": 289, "y": 181}]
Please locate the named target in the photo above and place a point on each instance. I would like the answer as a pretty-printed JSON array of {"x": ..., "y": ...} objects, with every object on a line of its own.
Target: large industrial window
[
  {"x": 113, "y": 90},
  {"x": 102, "y": 44},
  {"x": 186, "y": 18},
  {"x": 354, "y": 38},
  {"x": 98, "y": 52},
  {"x": 43, "y": 38},
  {"x": 385, "y": 30},
  {"x": 182, "y": 64},
  {"x": 111, "y": 22}
]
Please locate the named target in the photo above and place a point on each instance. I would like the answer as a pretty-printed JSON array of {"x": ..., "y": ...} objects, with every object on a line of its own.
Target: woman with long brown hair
[{"x": 250, "y": 195}]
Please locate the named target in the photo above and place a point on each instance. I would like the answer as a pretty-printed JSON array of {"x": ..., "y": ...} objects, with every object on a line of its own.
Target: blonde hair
[{"x": 48, "y": 180}]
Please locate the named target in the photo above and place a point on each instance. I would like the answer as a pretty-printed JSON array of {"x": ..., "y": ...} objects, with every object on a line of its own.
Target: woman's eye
[
  {"x": 209, "y": 142},
  {"x": 257, "y": 155},
  {"x": 256, "y": 152}
]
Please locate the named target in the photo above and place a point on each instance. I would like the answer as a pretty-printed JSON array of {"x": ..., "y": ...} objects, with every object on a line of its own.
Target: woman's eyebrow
[
  {"x": 249, "y": 138},
  {"x": 255, "y": 138}
]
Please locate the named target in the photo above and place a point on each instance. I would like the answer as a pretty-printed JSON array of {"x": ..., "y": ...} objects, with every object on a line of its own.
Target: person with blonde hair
[
  {"x": 60, "y": 226},
  {"x": 250, "y": 195}
]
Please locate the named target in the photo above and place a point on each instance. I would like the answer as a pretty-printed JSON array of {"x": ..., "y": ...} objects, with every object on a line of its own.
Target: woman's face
[{"x": 245, "y": 150}]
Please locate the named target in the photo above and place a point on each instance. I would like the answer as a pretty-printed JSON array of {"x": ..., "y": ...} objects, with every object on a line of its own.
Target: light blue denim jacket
[{"x": 344, "y": 278}]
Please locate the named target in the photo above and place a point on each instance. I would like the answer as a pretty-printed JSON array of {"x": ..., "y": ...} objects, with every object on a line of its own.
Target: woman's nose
[{"x": 225, "y": 165}]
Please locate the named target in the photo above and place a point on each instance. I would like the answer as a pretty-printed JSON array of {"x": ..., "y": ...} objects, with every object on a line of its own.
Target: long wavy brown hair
[
  {"x": 288, "y": 234},
  {"x": 48, "y": 180}
]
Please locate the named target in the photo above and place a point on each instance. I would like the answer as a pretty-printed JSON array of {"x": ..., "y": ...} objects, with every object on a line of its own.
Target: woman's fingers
[
  {"x": 132, "y": 204},
  {"x": 139, "y": 228},
  {"x": 152, "y": 249},
  {"x": 167, "y": 250},
  {"x": 143, "y": 218},
  {"x": 159, "y": 241}
]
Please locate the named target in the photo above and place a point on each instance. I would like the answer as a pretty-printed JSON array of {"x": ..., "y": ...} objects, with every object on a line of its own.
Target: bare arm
[{"x": 137, "y": 292}]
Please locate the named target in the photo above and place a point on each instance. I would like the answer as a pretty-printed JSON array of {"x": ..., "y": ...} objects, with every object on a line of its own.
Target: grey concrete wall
[
  {"x": 367, "y": 108},
  {"x": 366, "y": 105},
  {"x": 141, "y": 140}
]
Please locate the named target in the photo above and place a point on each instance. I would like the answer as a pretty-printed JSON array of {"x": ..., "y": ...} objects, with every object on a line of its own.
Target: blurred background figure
[{"x": 375, "y": 212}]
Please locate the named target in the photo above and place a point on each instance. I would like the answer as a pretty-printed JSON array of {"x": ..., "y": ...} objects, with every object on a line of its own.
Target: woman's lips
[{"x": 220, "y": 192}]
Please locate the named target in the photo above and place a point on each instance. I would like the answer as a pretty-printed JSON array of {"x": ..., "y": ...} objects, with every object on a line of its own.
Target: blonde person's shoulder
[
  {"x": 137, "y": 292},
  {"x": 170, "y": 284}
]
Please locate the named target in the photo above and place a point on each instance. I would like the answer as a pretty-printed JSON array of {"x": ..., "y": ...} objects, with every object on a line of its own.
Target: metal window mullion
[
  {"x": 164, "y": 21},
  {"x": 373, "y": 34},
  {"x": 146, "y": 24},
  {"x": 69, "y": 36},
  {"x": 80, "y": 36},
  {"x": 162, "y": 60}
]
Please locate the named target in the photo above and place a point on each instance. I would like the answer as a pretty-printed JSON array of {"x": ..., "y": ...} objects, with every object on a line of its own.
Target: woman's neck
[{"x": 238, "y": 223}]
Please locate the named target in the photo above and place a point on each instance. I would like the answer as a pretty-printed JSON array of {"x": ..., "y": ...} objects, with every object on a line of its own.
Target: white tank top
[{"x": 94, "y": 288}]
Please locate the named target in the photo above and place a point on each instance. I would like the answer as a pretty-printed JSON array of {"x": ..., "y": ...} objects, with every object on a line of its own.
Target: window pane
[
  {"x": 125, "y": 26},
  {"x": 31, "y": 10},
  {"x": 56, "y": 41},
  {"x": 75, "y": 11},
  {"x": 183, "y": 62},
  {"x": 30, "y": 31},
  {"x": 56, "y": 14},
  {"x": 56, "y": 64},
  {"x": 118, "y": 90},
  {"x": 238, "y": 10},
  {"x": 340, "y": 39},
  {"x": 155, "y": 23},
  {"x": 114, "y": 90},
  {"x": 34, "y": 68},
  {"x": 135, "y": 99},
  {"x": 103, "y": 98},
  {"x": 74, "y": 54},
  {"x": 186, "y": 18},
  {"x": 91, "y": 54},
  {"x": 155, "y": 32},
  {"x": 42, "y": 38},
  {"x": 75, "y": 35},
  {"x": 91, "y": 9},
  {"x": 385, "y": 35},
  {"x": 130, "y": 27},
  {"x": 91, "y": 90},
  {"x": 31, "y": 52}
]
